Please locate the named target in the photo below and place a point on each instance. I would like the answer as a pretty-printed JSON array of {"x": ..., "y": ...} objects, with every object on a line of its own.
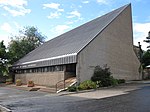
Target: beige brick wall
[
  {"x": 114, "y": 46},
  {"x": 46, "y": 78}
]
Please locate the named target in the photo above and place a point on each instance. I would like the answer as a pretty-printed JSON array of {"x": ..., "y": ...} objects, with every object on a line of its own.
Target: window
[{"x": 42, "y": 69}]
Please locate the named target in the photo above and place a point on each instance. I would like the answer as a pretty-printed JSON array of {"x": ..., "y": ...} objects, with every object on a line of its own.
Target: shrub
[
  {"x": 88, "y": 84},
  {"x": 98, "y": 84},
  {"x": 72, "y": 88},
  {"x": 103, "y": 75},
  {"x": 120, "y": 81},
  {"x": 114, "y": 82},
  {"x": 30, "y": 83},
  {"x": 79, "y": 88},
  {"x": 8, "y": 80},
  {"x": 18, "y": 82}
]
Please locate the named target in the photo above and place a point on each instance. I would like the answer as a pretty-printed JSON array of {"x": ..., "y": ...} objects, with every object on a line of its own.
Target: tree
[
  {"x": 3, "y": 59},
  {"x": 146, "y": 55},
  {"x": 32, "y": 36},
  {"x": 28, "y": 39},
  {"x": 148, "y": 39},
  {"x": 146, "y": 59}
]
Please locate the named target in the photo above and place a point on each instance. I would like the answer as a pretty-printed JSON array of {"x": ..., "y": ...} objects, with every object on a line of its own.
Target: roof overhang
[{"x": 58, "y": 60}]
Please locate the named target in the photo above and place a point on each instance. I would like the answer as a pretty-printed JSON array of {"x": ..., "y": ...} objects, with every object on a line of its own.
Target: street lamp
[
  {"x": 140, "y": 58},
  {"x": 140, "y": 52}
]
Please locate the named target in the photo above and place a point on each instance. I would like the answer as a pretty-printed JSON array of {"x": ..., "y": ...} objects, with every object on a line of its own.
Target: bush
[
  {"x": 72, "y": 88},
  {"x": 120, "y": 81},
  {"x": 114, "y": 82},
  {"x": 30, "y": 83},
  {"x": 18, "y": 82},
  {"x": 103, "y": 75},
  {"x": 88, "y": 84},
  {"x": 98, "y": 84},
  {"x": 8, "y": 80}
]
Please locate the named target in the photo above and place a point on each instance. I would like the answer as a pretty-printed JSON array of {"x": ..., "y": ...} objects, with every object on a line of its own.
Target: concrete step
[{"x": 68, "y": 82}]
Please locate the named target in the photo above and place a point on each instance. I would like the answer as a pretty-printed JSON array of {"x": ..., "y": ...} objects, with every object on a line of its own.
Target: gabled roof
[{"x": 64, "y": 48}]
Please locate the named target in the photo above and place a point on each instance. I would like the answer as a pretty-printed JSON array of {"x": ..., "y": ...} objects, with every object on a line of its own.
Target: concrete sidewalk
[{"x": 110, "y": 91}]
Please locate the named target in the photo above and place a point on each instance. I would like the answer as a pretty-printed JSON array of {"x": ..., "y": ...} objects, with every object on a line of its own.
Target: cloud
[
  {"x": 3, "y": 14},
  {"x": 5, "y": 38},
  {"x": 140, "y": 31},
  {"x": 6, "y": 27},
  {"x": 69, "y": 22},
  {"x": 20, "y": 12},
  {"x": 59, "y": 29},
  {"x": 103, "y": 2},
  {"x": 56, "y": 7},
  {"x": 74, "y": 14},
  {"x": 17, "y": 25},
  {"x": 53, "y": 6},
  {"x": 85, "y": 2},
  {"x": 54, "y": 15},
  {"x": 13, "y": 3},
  {"x": 15, "y": 7},
  {"x": 80, "y": 6},
  {"x": 8, "y": 31}
]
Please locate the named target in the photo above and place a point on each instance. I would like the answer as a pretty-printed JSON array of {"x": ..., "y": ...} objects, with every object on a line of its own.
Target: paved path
[
  {"x": 108, "y": 92},
  {"x": 118, "y": 99}
]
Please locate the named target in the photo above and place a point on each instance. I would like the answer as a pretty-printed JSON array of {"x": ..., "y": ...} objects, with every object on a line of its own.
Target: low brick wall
[{"x": 46, "y": 78}]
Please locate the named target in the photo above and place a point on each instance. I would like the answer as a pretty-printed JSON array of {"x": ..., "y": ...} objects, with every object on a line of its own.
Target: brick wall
[{"x": 46, "y": 78}]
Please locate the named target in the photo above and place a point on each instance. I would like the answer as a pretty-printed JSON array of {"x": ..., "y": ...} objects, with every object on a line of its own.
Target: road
[{"x": 126, "y": 98}]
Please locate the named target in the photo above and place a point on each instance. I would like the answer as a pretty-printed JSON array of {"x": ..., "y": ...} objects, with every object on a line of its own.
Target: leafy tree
[
  {"x": 3, "y": 59},
  {"x": 28, "y": 39},
  {"x": 146, "y": 58},
  {"x": 3, "y": 54},
  {"x": 32, "y": 36},
  {"x": 148, "y": 39}
]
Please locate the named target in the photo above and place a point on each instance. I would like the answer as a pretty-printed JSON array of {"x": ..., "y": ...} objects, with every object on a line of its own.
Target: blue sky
[{"x": 54, "y": 17}]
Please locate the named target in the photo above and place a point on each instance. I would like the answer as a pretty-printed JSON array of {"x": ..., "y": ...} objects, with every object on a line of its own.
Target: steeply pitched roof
[{"x": 64, "y": 48}]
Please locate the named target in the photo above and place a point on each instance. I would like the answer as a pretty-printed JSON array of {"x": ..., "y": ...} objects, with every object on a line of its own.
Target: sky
[{"x": 54, "y": 17}]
